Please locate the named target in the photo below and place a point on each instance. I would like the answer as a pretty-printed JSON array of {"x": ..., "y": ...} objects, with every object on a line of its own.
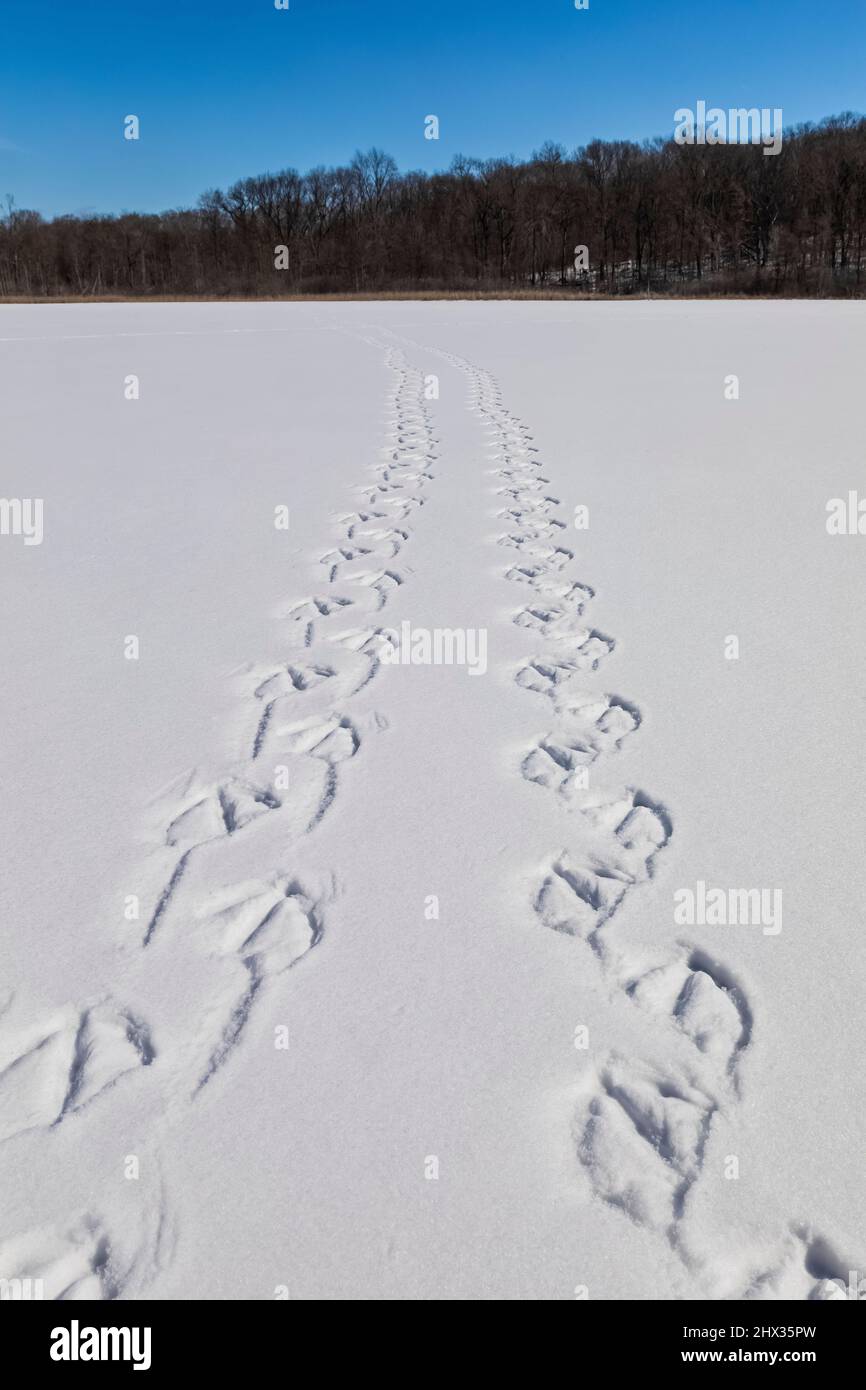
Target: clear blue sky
[{"x": 226, "y": 88}]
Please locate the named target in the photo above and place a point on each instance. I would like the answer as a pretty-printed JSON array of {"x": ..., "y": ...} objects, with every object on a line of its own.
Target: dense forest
[{"x": 659, "y": 217}]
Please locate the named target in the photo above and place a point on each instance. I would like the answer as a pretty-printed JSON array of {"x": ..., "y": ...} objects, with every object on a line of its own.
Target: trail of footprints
[
  {"x": 301, "y": 731},
  {"x": 300, "y": 736},
  {"x": 640, "y": 1135},
  {"x": 59, "y": 1067}
]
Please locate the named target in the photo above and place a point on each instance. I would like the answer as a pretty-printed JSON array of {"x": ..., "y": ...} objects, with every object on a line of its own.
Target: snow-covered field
[{"x": 327, "y": 974}]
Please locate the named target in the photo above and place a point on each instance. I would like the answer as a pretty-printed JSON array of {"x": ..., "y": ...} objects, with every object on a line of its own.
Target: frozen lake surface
[{"x": 432, "y": 808}]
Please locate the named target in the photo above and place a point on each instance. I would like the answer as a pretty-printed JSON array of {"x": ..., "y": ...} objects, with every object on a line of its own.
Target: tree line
[{"x": 658, "y": 217}]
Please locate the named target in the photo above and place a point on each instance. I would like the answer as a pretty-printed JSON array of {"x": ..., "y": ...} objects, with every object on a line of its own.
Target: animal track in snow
[
  {"x": 584, "y": 887},
  {"x": 531, "y": 546},
  {"x": 373, "y": 545},
  {"x": 240, "y": 804},
  {"x": 534, "y": 511},
  {"x": 805, "y": 1267},
  {"x": 57, "y": 1069},
  {"x": 597, "y": 725},
  {"x": 228, "y": 809},
  {"x": 704, "y": 1000},
  {"x": 336, "y": 560},
  {"x": 556, "y": 620},
  {"x": 301, "y": 733},
  {"x": 322, "y": 606},
  {"x": 57, "y": 1264},
  {"x": 334, "y": 673},
  {"x": 366, "y": 640},
  {"x": 294, "y": 678},
  {"x": 588, "y": 650},
  {"x": 378, "y": 582},
  {"x": 260, "y": 928},
  {"x": 293, "y": 747},
  {"x": 384, "y": 538},
  {"x": 640, "y": 1138},
  {"x": 334, "y": 739},
  {"x": 268, "y": 928},
  {"x": 640, "y": 1135}
]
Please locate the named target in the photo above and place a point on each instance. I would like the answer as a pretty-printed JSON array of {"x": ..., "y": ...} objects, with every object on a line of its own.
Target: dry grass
[
  {"x": 559, "y": 296},
  {"x": 347, "y": 298}
]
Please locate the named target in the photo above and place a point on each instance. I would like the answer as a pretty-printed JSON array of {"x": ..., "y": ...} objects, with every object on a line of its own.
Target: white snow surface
[{"x": 287, "y": 1076}]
